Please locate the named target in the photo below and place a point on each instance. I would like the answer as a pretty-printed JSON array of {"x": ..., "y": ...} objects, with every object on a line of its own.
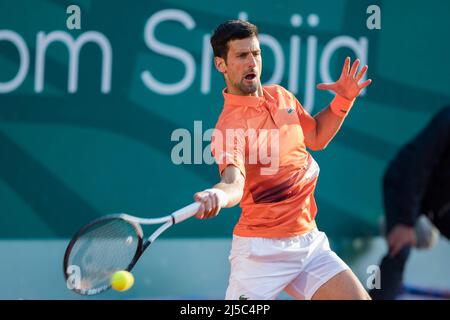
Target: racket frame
[{"x": 166, "y": 221}]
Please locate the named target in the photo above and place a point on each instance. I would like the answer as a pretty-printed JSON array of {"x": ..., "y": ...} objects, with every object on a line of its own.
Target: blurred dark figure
[{"x": 416, "y": 186}]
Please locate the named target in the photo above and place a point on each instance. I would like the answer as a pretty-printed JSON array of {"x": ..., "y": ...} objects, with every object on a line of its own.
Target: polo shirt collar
[{"x": 246, "y": 101}]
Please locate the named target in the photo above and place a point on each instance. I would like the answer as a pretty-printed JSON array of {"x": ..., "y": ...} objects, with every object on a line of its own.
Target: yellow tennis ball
[{"x": 122, "y": 280}]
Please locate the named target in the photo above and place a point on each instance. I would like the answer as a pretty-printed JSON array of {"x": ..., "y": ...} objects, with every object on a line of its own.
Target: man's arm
[
  {"x": 229, "y": 190},
  {"x": 330, "y": 119},
  {"x": 327, "y": 125}
]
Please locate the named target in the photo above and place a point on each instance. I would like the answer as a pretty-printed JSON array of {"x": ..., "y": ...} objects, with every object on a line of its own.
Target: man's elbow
[
  {"x": 315, "y": 142},
  {"x": 318, "y": 146}
]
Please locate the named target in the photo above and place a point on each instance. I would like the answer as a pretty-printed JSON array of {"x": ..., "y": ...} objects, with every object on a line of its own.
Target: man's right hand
[
  {"x": 226, "y": 194},
  {"x": 210, "y": 204},
  {"x": 400, "y": 237}
]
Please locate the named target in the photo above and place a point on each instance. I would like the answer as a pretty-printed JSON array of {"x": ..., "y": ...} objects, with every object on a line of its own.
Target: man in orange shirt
[{"x": 260, "y": 145}]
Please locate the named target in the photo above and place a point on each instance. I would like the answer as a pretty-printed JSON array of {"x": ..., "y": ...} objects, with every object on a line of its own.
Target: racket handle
[{"x": 185, "y": 213}]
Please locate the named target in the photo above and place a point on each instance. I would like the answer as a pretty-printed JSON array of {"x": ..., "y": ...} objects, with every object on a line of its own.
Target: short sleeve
[
  {"x": 228, "y": 146},
  {"x": 307, "y": 122}
]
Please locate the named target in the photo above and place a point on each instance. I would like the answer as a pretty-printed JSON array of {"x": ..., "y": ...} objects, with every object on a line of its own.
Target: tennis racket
[{"x": 109, "y": 244}]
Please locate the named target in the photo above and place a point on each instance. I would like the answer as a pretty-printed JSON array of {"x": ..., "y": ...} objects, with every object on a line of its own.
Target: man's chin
[{"x": 249, "y": 89}]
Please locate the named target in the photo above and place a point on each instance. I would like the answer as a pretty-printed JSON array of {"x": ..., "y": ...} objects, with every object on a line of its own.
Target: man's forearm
[
  {"x": 327, "y": 125},
  {"x": 234, "y": 192},
  {"x": 329, "y": 121}
]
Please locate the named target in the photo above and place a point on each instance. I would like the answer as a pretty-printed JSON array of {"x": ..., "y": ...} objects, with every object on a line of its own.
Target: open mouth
[{"x": 250, "y": 76}]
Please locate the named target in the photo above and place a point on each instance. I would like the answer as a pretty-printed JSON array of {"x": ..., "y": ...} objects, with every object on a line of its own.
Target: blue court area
[{"x": 188, "y": 269}]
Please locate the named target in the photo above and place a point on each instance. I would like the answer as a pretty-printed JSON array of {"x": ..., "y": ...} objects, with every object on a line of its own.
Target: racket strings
[{"x": 101, "y": 250}]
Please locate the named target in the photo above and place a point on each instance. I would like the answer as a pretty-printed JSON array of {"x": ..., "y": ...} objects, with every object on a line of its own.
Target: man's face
[{"x": 242, "y": 70}]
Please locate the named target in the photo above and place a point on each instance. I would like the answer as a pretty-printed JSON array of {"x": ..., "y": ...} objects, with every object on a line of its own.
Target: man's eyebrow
[{"x": 247, "y": 51}]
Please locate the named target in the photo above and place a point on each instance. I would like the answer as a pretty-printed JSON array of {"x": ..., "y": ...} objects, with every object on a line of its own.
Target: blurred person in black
[{"x": 416, "y": 183}]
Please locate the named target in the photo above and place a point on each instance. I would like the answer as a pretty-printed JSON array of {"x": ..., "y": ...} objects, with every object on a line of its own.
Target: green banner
[{"x": 91, "y": 119}]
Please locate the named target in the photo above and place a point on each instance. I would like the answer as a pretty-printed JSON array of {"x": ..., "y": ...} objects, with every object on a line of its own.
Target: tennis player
[{"x": 260, "y": 143}]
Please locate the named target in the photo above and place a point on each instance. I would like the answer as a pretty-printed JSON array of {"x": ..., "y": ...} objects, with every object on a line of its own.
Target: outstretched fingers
[
  {"x": 354, "y": 68},
  {"x": 365, "y": 84},
  {"x": 325, "y": 86},
  {"x": 346, "y": 67},
  {"x": 361, "y": 73}
]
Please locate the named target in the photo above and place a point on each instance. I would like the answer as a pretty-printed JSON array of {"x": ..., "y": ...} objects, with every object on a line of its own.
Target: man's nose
[{"x": 251, "y": 61}]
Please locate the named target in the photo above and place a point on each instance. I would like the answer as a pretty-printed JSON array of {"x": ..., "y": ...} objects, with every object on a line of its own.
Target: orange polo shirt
[{"x": 264, "y": 138}]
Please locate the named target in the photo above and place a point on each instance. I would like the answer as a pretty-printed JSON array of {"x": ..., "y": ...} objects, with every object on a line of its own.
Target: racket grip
[{"x": 186, "y": 212}]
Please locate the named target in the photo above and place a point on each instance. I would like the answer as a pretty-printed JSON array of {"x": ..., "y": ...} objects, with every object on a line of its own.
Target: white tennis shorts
[{"x": 261, "y": 268}]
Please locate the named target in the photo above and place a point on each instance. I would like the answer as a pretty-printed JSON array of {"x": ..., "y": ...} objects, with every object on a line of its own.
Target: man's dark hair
[{"x": 231, "y": 30}]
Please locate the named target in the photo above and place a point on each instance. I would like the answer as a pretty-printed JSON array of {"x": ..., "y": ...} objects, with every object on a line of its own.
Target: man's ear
[{"x": 220, "y": 64}]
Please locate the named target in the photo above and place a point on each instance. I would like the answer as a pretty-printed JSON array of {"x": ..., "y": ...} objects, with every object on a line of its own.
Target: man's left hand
[{"x": 348, "y": 85}]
